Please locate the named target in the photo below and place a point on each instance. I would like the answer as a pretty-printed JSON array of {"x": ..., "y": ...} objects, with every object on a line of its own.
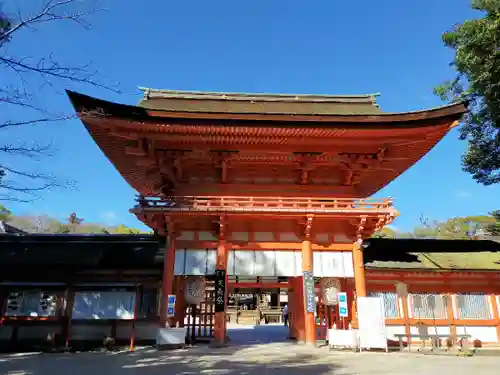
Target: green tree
[
  {"x": 5, "y": 213},
  {"x": 458, "y": 228},
  {"x": 385, "y": 232},
  {"x": 494, "y": 228},
  {"x": 476, "y": 44},
  {"x": 74, "y": 222},
  {"x": 122, "y": 229}
]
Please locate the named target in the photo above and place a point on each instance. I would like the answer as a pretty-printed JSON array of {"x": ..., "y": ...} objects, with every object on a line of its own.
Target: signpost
[
  {"x": 171, "y": 305},
  {"x": 220, "y": 290},
  {"x": 343, "y": 306},
  {"x": 309, "y": 292}
]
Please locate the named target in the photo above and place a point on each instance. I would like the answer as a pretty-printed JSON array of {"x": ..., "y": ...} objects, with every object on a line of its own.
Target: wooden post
[
  {"x": 307, "y": 265},
  {"x": 496, "y": 314},
  {"x": 168, "y": 275},
  {"x": 291, "y": 314},
  {"x": 359, "y": 270},
  {"x": 221, "y": 263},
  {"x": 180, "y": 304},
  {"x": 450, "y": 312}
]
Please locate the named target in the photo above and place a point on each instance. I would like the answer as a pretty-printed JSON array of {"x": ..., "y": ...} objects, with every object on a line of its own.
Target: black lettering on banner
[
  {"x": 220, "y": 290},
  {"x": 310, "y": 294}
]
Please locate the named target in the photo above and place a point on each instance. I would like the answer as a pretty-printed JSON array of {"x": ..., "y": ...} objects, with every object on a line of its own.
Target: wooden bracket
[
  {"x": 361, "y": 228},
  {"x": 382, "y": 220},
  {"x": 222, "y": 227},
  {"x": 308, "y": 227}
]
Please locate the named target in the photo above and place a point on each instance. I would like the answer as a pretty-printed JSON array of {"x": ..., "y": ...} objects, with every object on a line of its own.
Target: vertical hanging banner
[
  {"x": 220, "y": 290},
  {"x": 343, "y": 306},
  {"x": 171, "y": 305},
  {"x": 309, "y": 292}
]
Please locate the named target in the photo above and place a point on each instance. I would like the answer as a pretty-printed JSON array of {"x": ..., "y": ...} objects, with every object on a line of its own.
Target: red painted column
[
  {"x": 180, "y": 305},
  {"x": 299, "y": 309},
  {"x": 220, "y": 317},
  {"x": 168, "y": 278},
  {"x": 309, "y": 319}
]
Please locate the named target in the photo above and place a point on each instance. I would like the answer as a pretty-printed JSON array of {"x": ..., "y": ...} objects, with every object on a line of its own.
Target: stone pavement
[{"x": 261, "y": 359}]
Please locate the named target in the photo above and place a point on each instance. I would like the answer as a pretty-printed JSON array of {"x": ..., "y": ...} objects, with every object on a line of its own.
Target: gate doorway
[{"x": 255, "y": 310}]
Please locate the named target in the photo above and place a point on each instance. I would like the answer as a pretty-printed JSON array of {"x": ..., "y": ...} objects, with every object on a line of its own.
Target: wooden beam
[
  {"x": 281, "y": 246},
  {"x": 261, "y": 285}
]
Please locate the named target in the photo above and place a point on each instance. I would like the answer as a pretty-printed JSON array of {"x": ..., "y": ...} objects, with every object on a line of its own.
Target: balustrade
[{"x": 265, "y": 204}]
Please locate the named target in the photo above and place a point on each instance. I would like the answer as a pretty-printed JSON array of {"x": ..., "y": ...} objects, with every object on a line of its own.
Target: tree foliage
[
  {"x": 458, "y": 228},
  {"x": 26, "y": 79},
  {"x": 494, "y": 228},
  {"x": 476, "y": 44},
  {"x": 73, "y": 224}
]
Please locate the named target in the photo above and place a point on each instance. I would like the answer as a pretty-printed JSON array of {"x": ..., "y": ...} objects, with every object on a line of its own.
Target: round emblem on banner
[
  {"x": 330, "y": 288},
  {"x": 194, "y": 291}
]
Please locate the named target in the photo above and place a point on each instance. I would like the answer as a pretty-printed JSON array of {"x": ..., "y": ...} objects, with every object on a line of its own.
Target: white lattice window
[
  {"x": 31, "y": 304},
  {"x": 104, "y": 305},
  {"x": 428, "y": 306},
  {"x": 473, "y": 306},
  {"x": 390, "y": 303}
]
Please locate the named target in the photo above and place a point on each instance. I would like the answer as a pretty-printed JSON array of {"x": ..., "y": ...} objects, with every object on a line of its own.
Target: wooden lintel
[
  {"x": 249, "y": 285},
  {"x": 281, "y": 246}
]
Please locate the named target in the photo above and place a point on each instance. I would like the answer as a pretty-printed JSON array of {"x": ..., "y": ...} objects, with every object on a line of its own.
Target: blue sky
[{"x": 319, "y": 47}]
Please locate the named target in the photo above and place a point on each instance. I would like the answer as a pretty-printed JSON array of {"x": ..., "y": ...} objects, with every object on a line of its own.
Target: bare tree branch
[{"x": 22, "y": 91}]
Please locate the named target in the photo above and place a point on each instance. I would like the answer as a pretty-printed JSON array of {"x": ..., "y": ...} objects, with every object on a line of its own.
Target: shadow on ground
[{"x": 244, "y": 360}]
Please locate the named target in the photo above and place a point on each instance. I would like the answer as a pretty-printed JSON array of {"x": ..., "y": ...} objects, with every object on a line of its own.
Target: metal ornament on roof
[
  {"x": 330, "y": 288},
  {"x": 194, "y": 290}
]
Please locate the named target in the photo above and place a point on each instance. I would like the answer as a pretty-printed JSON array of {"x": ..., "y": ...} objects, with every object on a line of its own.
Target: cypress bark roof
[
  {"x": 432, "y": 254},
  {"x": 223, "y": 102}
]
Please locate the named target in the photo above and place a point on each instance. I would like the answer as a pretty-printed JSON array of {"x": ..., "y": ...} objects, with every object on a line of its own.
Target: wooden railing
[{"x": 264, "y": 204}]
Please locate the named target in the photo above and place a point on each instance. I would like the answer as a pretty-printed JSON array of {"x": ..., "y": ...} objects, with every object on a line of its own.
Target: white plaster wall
[
  {"x": 239, "y": 236},
  {"x": 207, "y": 236},
  {"x": 264, "y": 236},
  {"x": 394, "y": 330},
  {"x": 289, "y": 237},
  {"x": 186, "y": 236},
  {"x": 485, "y": 334}
]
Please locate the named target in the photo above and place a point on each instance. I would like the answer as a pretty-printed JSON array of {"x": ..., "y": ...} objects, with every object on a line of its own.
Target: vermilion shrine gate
[{"x": 264, "y": 187}]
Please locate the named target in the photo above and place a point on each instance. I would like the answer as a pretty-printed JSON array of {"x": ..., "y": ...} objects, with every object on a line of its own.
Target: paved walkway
[
  {"x": 276, "y": 359},
  {"x": 258, "y": 334}
]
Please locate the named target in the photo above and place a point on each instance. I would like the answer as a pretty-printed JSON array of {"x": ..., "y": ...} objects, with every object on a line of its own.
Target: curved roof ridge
[{"x": 164, "y": 93}]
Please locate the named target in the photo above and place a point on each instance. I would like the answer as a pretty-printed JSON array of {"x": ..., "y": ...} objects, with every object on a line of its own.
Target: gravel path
[{"x": 277, "y": 359}]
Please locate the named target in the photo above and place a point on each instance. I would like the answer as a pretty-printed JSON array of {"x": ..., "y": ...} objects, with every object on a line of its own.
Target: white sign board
[
  {"x": 171, "y": 305},
  {"x": 371, "y": 323},
  {"x": 343, "y": 308}
]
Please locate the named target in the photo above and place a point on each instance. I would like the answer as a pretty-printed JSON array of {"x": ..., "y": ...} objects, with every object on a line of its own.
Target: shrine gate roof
[{"x": 342, "y": 137}]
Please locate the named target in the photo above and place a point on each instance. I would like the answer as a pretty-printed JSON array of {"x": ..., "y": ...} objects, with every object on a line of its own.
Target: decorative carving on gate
[
  {"x": 194, "y": 292},
  {"x": 330, "y": 288}
]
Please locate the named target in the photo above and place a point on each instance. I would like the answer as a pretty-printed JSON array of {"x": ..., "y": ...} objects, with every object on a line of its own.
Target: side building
[{"x": 75, "y": 290}]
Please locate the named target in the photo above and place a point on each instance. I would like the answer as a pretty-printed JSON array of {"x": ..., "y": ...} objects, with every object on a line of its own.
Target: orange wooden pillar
[
  {"x": 220, "y": 317},
  {"x": 309, "y": 319},
  {"x": 291, "y": 314},
  {"x": 359, "y": 270},
  {"x": 180, "y": 305},
  {"x": 168, "y": 277},
  {"x": 298, "y": 314},
  {"x": 359, "y": 279}
]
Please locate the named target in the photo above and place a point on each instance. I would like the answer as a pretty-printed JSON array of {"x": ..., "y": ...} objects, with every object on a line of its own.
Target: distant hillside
[{"x": 74, "y": 224}]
